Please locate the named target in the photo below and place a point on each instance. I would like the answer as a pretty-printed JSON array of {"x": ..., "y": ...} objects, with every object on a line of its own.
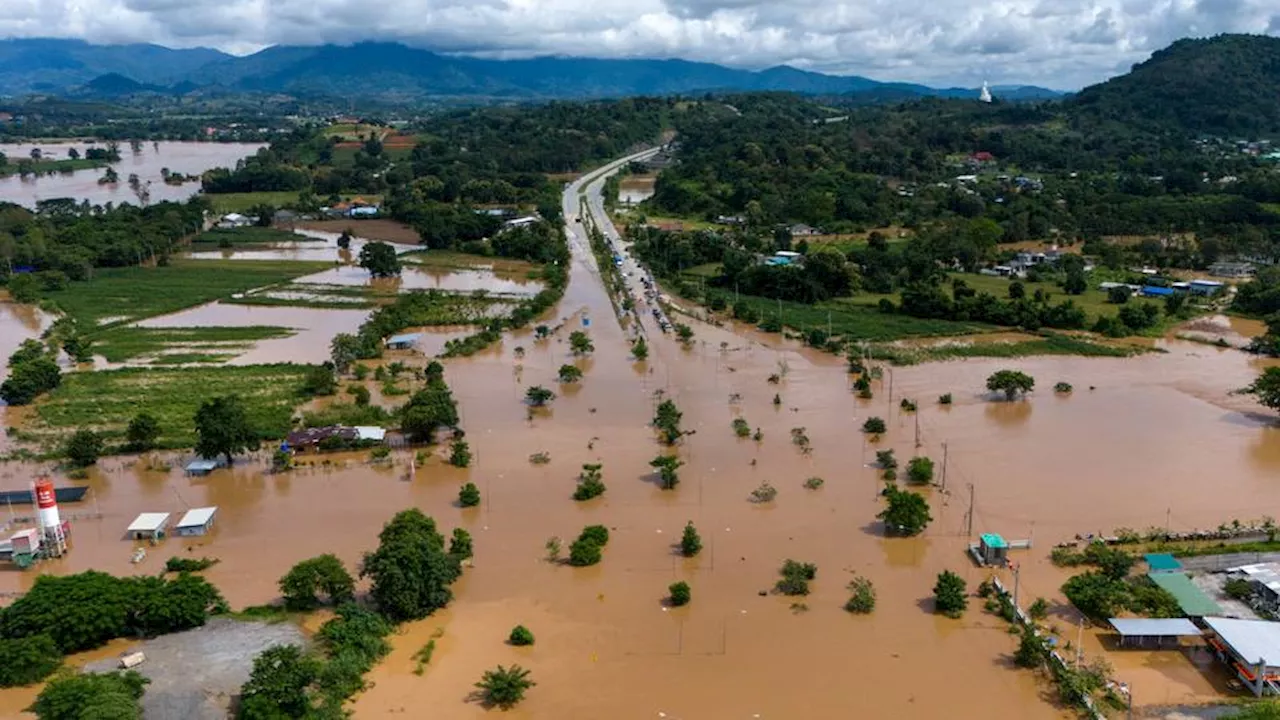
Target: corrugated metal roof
[
  {"x": 149, "y": 522},
  {"x": 1190, "y": 598},
  {"x": 1162, "y": 561},
  {"x": 1252, "y": 640},
  {"x": 406, "y": 338},
  {"x": 197, "y": 517},
  {"x": 1151, "y": 627}
]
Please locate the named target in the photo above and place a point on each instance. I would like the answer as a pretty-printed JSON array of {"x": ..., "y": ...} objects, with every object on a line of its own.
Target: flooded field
[
  {"x": 186, "y": 158},
  {"x": 320, "y": 245},
  {"x": 18, "y": 323},
  {"x": 636, "y": 189},
  {"x": 314, "y": 329},
  {"x": 1142, "y": 441},
  {"x": 416, "y": 277}
]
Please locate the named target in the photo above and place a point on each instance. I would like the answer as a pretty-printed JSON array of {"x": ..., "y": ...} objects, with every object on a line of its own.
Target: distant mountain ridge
[{"x": 72, "y": 67}]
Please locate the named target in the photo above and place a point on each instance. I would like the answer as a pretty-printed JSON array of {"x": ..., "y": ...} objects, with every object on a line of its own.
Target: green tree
[
  {"x": 379, "y": 259},
  {"x": 460, "y": 545},
  {"x": 222, "y": 428},
  {"x": 1033, "y": 650},
  {"x": 428, "y": 410},
  {"x": 504, "y": 687},
  {"x": 584, "y": 551},
  {"x": 323, "y": 574},
  {"x": 862, "y": 599},
  {"x": 410, "y": 570},
  {"x": 83, "y": 448},
  {"x": 1266, "y": 388},
  {"x": 29, "y": 375},
  {"x": 590, "y": 482},
  {"x": 469, "y": 495},
  {"x": 907, "y": 513},
  {"x": 667, "y": 465},
  {"x": 278, "y": 685},
  {"x": 920, "y": 471},
  {"x": 520, "y": 636},
  {"x": 1264, "y": 710},
  {"x": 949, "y": 596},
  {"x": 344, "y": 349},
  {"x": 570, "y": 374},
  {"x": 667, "y": 420},
  {"x": 320, "y": 380},
  {"x": 143, "y": 432},
  {"x": 639, "y": 349},
  {"x": 874, "y": 426},
  {"x": 795, "y": 577},
  {"x": 459, "y": 453},
  {"x": 28, "y": 660},
  {"x": 690, "y": 542},
  {"x": 684, "y": 333},
  {"x": 580, "y": 343},
  {"x": 24, "y": 288},
  {"x": 538, "y": 396},
  {"x": 1011, "y": 383},
  {"x": 1017, "y": 290},
  {"x": 91, "y": 696},
  {"x": 680, "y": 593},
  {"x": 1118, "y": 295}
]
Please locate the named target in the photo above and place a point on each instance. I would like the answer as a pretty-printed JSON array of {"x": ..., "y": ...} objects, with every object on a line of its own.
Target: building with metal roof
[
  {"x": 403, "y": 342},
  {"x": 196, "y": 521},
  {"x": 1251, "y": 648},
  {"x": 148, "y": 525},
  {"x": 203, "y": 466},
  {"x": 1139, "y": 631},
  {"x": 1162, "y": 562},
  {"x": 1190, "y": 598},
  {"x": 1156, "y": 291}
]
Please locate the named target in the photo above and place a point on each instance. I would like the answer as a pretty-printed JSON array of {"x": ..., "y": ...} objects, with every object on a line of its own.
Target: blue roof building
[{"x": 1154, "y": 291}]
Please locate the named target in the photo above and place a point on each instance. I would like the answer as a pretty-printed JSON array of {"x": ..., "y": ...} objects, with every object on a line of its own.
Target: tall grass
[{"x": 122, "y": 343}]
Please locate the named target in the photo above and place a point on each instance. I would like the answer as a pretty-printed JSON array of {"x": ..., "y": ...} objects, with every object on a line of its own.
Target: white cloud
[{"x": 1056, "y": 43}]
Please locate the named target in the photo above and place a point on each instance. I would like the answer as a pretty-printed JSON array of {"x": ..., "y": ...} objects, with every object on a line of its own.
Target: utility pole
[
  {"x": 944, "y": 467},
  {"x": 917, "y": 430},
  {"x": 968, "y": 516},
  {"x": 1017, "y": 572}
]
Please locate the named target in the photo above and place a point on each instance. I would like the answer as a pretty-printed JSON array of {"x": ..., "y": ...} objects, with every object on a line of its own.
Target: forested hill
[{"x": 1227, "y": 85}]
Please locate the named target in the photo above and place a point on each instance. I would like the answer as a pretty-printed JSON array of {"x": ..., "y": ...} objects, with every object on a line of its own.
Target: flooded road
[
  {"x": 1159, "y": 439},
  {"x": 186, "y": 158}
]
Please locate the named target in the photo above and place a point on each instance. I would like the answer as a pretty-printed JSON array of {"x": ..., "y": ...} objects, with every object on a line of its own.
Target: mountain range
[{"x": 392, "y": 70}]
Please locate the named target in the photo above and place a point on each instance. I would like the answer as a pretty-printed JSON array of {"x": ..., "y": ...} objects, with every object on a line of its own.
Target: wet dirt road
[{"x": 1159, "y": 438}]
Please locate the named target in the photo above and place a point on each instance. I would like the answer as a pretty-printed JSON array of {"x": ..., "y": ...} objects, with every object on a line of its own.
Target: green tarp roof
[
  {"x": 1162, "y": 561},
  {"x": 993, "y": 540},
  {"x": 1190, "y": 598}
]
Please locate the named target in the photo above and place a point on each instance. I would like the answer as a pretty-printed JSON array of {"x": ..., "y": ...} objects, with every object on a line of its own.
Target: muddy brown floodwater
[
  {"x": 1158, "y": 438},
  {"x": 186, "y": 158},
  {"x": 18, "y": 323}
]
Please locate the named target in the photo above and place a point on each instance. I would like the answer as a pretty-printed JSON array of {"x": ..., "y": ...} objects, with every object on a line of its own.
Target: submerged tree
[
  {"x": 411, "y": 571},
  {"x": 504, "y": 687},
  {"x": 690, "y": 542},
  {"x": 538, "y": 396},
  {"x": 907, "y": 512},
  {"x": 379, "y": 259},
  {"x": 667, "y": 465},
  {"x": 1266, "y": 388},
  {"x": 569, "y": 374},
  {"x": 1011, "y": 383},
  {"x": 667, "y": 420},
  {"x": 949, "y": 596},
  {"x": 580, "y": 343}
]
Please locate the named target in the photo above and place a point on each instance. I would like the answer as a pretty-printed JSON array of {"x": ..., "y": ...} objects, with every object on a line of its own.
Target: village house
[{"x": 802, "y": 230}]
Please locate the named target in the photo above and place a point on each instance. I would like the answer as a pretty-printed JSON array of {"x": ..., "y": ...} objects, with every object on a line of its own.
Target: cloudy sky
[{"x": 1056, "y": 43}]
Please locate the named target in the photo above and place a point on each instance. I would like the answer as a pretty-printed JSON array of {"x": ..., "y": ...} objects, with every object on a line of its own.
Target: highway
[{"x": 580, "y": 244}]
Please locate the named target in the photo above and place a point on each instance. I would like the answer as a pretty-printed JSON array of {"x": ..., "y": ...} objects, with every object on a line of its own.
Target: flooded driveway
[{"x": 1159, "y": 439}]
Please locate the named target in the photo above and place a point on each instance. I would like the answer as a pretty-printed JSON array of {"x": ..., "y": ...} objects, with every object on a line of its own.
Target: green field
[
  {"x": 1048, "y": 344},
  {"x": 248, "y": 236},
  {"x": 240, "y": 202},
  {"x": 106, "y": 401},
  {"x": 118, "y": 295},
  {"x": 1093, "y": 301},
  {"x": 858, "y": 321},
  {"x": 122, "y": 343}
]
